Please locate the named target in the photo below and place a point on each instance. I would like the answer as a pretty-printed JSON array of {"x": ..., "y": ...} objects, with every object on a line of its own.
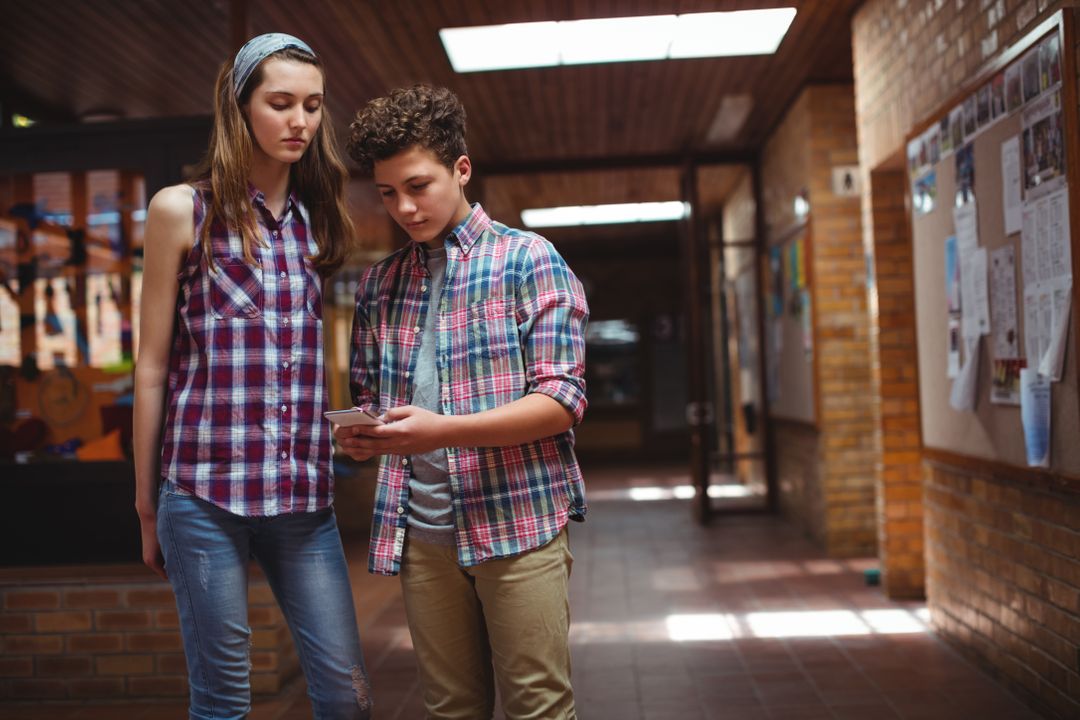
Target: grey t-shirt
[{"x": 431, "y": 519}]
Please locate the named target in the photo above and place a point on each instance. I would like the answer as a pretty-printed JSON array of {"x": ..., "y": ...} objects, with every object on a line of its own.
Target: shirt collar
[
  {"x": 465, "y": 233},
  {"x": 258, "y": 199},
  {"x": 469, "y": 230}
]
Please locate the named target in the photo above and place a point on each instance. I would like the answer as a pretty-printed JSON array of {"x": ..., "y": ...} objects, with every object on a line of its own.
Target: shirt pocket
[
  {"x": 236, "y": 289},
  {"x": 312, "y": 291},
  {"x": 492, "y": 329}
]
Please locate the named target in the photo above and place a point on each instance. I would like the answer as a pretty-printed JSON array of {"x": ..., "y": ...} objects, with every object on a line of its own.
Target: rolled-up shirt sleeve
[{"x": 551, "y": 315}]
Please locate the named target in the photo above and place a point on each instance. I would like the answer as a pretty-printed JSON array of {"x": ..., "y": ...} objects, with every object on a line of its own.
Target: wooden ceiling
[{"x": 71, "y": 59}]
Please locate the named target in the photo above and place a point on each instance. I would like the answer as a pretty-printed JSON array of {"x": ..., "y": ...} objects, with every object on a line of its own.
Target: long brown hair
[{"x": 318, "y": 178}]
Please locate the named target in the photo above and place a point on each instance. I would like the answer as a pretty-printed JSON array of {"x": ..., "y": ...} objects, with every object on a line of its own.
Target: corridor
[{"x": 744, "y": 620}]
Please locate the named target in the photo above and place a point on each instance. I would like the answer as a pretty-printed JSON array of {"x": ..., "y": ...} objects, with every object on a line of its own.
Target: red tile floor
[{"x": 742, "y": 620}]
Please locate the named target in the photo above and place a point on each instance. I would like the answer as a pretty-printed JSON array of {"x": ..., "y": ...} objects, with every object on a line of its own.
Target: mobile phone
[{"x": 352, "y": 416}]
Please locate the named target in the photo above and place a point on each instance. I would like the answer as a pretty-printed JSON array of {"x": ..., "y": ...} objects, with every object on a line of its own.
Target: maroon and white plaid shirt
[{"x": 244, "y": 428}]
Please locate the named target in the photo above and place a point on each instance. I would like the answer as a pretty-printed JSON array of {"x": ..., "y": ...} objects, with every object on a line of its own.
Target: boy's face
[{"x": 426, "y": 198}]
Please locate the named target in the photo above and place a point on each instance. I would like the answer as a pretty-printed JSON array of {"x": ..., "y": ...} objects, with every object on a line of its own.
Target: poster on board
[{"x": 1043, "y": 146}]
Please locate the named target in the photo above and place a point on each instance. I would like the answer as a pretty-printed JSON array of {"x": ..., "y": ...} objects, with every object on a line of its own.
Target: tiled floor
[{"x": 742, "y": 620}]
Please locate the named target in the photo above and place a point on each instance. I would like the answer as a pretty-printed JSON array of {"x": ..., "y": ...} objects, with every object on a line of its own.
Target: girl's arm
[{"x": 170, "y": 234}]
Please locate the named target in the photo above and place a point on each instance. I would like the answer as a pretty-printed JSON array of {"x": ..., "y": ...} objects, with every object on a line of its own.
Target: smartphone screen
[{"x": 352, "y": 416}]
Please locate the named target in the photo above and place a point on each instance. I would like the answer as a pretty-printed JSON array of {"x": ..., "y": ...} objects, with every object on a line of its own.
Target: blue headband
[{"x": 258, "y": 49}]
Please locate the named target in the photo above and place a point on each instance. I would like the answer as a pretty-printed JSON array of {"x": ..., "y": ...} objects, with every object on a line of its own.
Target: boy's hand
[{"x": 409, "y": 430}]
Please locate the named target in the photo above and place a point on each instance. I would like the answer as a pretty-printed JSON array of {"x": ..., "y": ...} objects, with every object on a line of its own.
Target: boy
[{"x": 470, "y": 341}]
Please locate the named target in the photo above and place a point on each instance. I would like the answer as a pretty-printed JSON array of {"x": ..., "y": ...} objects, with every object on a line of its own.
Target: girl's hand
[{"x": 151, "y": 549}]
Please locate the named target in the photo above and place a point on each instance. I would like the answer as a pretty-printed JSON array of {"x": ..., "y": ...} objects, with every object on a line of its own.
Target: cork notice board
[
  {"x": 789, "y": 330},
  {"x": 991, "y": 432}
]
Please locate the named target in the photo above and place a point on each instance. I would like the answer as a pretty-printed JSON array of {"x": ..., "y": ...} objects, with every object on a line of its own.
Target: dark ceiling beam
[
  {"x": 737, "y": 157},
  {"x": 570, "y": 165},
  {"x": 158, "y": 148},
  {"x": 239, "y": 23}
]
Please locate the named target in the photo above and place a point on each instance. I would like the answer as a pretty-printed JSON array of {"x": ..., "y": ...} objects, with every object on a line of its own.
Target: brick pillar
[
  {"x": 841, "y": 330},
  {"x": 899, "y": 470}
]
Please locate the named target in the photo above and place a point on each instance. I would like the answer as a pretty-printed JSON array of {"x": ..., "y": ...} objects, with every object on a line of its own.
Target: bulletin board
[
  {"x": 789, "y": 327},
  {"x": 992, "y": 429}
]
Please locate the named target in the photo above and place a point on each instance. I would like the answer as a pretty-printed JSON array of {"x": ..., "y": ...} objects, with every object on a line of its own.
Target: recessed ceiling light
[
  {"x": 603, "y": 40},
  {"x": 613, "y": 214},
  {"x": 730, "y": 117}
]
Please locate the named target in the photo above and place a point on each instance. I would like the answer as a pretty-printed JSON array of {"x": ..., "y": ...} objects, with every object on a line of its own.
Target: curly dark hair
[{"x": 431, "y": 117}]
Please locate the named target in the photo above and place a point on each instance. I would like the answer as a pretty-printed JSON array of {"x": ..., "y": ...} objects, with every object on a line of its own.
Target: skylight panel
[{"x": 603, "y": 40}]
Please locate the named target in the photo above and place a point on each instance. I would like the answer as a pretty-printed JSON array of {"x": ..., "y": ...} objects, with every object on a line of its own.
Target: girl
[{"x": 232, "y": 454}]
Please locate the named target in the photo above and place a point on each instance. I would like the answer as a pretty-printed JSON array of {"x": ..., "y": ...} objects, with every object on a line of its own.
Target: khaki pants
[{"x": 504, "y": 621}]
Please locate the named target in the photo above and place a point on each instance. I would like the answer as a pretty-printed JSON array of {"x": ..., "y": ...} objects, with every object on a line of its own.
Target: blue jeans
[{"x": 207, "y": 552}]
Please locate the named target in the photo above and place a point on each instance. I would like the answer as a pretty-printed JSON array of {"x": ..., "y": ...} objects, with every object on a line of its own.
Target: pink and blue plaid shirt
[
  {"x": 511, "y": 321},
  {"x": 244, "y": 428}
]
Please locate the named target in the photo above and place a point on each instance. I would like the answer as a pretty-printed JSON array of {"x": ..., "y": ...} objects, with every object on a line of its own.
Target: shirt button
[
  {"x": 277, "y": 234},
  {"x": 407, "y": 373},
  {"x": 400, "y": 510},
  {"x": 284, "y": 321},
  {"x": 284, "y": 454},
  {"x": 404, "y": 461},
  {"x": 282, "y": 273},
  {"x": 416, "y": 329},
  {"x": 284, "y": 408},
  {"x": 285, "y": 364},
  {"x": 423, "y": 288}
]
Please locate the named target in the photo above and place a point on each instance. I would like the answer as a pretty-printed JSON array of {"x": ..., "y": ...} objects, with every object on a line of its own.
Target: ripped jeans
[{"x": 207, "y": 552}]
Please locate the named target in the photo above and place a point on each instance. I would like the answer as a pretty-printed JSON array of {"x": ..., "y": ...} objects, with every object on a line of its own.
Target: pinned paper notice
[
  {"x": 1003, "y": 302},
  {"x": 1035, "y": 416},
  {"x": 974, "y": 294},
  {"x": 962, "y": 396},
  {"x": 1050, "y": 364},
  {"x": 1010, "y": 181},
  {"x": 966, "y": 222},
  {"x": 952, "y": 368}
]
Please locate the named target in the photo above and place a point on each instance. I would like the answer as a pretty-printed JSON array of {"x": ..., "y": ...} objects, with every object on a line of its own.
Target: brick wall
[
  {"x": 117, "y": 638},
  {"x": 1003, "y": 567},
  {"x": 911, "y": 56},
  {"x": 894, "y": 365},
  {"x": 834, "y": 500},
  {"x": 1001, "y": 554}
]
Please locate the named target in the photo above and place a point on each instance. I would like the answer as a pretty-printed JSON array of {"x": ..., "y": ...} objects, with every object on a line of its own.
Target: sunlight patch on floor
[
  {"x": 650, "y": 493},
  {"x": 702, "y": 627}
]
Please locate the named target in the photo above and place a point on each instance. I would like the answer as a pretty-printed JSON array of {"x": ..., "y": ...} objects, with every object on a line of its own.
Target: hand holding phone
[{"x": 352, "y": 416}]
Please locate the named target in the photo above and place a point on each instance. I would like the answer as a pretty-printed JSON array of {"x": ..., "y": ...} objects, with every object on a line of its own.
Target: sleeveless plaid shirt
[{"x": 244, "y": 428}]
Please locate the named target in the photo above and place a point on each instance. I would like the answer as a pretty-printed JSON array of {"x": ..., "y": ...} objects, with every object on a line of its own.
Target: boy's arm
[{"x": 552, "y": 314}]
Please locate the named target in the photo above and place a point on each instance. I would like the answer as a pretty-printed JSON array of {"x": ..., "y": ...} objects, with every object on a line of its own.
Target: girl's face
[
  {"x": 285, "y": 109},
  {"x": 423, "y": 196}
]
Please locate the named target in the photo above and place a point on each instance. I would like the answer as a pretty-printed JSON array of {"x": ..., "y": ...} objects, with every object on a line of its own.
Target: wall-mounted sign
[{"x": 845, "y": 180}]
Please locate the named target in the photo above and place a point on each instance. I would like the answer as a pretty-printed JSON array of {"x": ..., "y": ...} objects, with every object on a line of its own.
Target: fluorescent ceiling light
[
  {"x": 744, "y": 32},
  {"x": 650, "y": 37},
  {"x": 502, "y": 47},
  {"x": 615, "y": 39},
  {"x": 603, "y": 214}
]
